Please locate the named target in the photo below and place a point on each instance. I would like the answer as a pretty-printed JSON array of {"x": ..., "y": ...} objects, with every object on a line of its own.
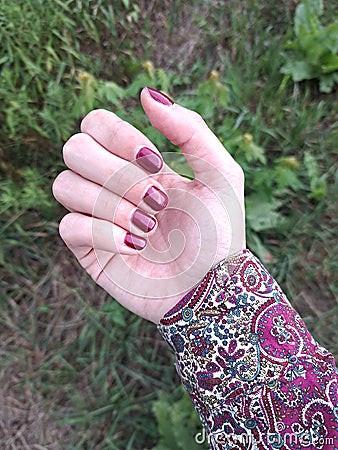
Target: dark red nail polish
[
  {"x": 149, "y": 160},
  {"x": 135, "y": 242},
  {"x": 155, "y": 198},
  {"x": 143, "y": 221},
  {"x": 160, "y": 97}
]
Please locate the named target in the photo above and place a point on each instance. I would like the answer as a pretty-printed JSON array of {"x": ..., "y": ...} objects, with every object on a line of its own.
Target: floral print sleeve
[{"x": 254, "y": 373}]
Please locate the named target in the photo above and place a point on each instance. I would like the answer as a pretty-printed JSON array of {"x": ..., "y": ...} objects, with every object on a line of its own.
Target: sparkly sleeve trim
[{"x": 254, "y": 373}]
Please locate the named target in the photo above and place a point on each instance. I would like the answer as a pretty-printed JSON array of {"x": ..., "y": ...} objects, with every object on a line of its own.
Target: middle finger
[
  {"x": 88, "y": 158},
  {"x": 80, "y": 195}
]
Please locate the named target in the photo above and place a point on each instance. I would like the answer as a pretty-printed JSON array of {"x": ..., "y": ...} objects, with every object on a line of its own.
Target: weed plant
[{"x": 100, "y": 377}]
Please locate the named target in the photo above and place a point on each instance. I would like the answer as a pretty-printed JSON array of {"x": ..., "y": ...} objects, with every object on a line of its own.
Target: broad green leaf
[
  {"x": 311, "y": 165},
  {"x": 318, "y": 183},
  {"x": 327, "y": 82},
  {"x": 307, "y": 17},
  {"x": 286, "y": 177},
  {"x": 140, "y": 81},
  {"x": 182, "y": 419},
  {"x": 299, "y": 70},
  {"x": 314, "y": 51},
  {"x": 223, "y": 95},
  {"x": 329, "y": 37},
  {"x": 261, "y": 214},
  {"x": 163, "y": 80},
  {"x": 330, "y": 63},
  {"x": 161, "y": 410},
  {"x": 253, "y": 152},
  {"x": 319, "y": 189},
  {"x": 111, "y": 92}
]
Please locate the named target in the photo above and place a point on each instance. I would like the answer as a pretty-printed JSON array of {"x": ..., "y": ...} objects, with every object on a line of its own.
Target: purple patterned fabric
[{"x": 254, "y": 373}]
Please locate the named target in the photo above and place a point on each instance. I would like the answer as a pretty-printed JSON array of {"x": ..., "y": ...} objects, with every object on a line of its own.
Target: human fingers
[
  {"x": 81, "y": 231},
  {"x": 122, "y": 139},
  {"x": 80, "y": 195},
  {"x": 187, "y": 129},
  {"x": 85, "y": 156}
]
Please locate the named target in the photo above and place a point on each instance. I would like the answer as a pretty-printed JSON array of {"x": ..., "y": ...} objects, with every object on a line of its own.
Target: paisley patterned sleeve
[{"x": 254, "y": 373}]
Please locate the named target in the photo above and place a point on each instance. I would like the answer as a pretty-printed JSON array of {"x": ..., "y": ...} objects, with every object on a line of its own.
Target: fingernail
[
  {"x": 160, "y": 97},
  {"x": 155, "y": 198},
  {"x": 149, "y": 160},
  {"x": 135, "y": 242},
  {"x": 143, "y": 221}
]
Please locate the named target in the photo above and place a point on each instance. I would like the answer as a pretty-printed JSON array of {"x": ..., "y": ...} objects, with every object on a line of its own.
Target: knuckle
[
  {"x": 65, "y": 228},
  {"x": 118, "y": 127},
  {"x": 93, "y": 116},
  {"x": 104, "y": 126},
  {"x": 60, "y": 182},
  {"x": 196, "y": 117},
  {"x": 195, "y": 124},
  {"x": 57, "y": 186},
  {"x": 74, "y": 143}
]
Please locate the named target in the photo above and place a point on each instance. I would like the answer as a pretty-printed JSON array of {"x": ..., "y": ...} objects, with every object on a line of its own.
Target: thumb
[{"x": 187, "y": 129}]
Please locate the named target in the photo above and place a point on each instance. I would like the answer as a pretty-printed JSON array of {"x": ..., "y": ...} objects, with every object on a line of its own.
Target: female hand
[{"x": 149, "y": 264}]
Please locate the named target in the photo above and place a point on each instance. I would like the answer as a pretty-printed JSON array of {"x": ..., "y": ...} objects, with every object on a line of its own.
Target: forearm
[{"x": 249, "y": 364}]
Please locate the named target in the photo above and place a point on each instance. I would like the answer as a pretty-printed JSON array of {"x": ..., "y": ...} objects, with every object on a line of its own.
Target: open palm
[{"x": 198, "y": 222}]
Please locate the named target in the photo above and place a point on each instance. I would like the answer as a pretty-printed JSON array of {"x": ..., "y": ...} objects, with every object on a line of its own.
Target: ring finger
[{"x": 80, "y": 195}]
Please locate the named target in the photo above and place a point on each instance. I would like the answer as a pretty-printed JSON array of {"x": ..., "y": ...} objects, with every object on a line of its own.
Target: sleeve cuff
[{"x": 252, "y": 369}]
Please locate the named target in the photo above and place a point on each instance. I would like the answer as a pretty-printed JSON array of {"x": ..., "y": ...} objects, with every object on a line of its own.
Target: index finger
[{"x": 122, "y": 139}]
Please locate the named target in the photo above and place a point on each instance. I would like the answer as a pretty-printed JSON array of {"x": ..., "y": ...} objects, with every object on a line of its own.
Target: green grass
[{"x": 93, "y": 370}]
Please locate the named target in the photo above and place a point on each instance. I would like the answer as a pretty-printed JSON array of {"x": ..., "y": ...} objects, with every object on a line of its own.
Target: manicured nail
[
  {"x": 143, "y": 221},
  {"x": 160, "y": 97},
  {"x": 135, "y": 242},
  {"x": 149, "y": 160},
  {"x": 155, "y": 198}
]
